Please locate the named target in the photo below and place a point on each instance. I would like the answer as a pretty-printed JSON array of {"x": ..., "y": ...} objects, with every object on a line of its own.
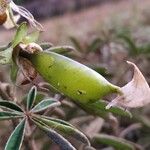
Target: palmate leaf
[
  {"x": 63, "y": 128},
  {"x": 99, "y": 109},
  {"x": 20, "y": 34},
  {"x": 6, "y": 55},
  {"x": 31, "y": 97},
  {"x": 60, "y": 140},
  {"x": 15, "y": 140},
  {"x": 39, "y": 98},
  {"x": 117, "y": 143},
  {"x": 46, "y": 45},
  {"x": 10, "y": 105},
  {"x": 58, "y": 121},
  {"x": 55, "y": 137},
  {"x": 45, "y": 104},
  {"x": 5, "y": 115},
  {"x": 61, "y": 49}
]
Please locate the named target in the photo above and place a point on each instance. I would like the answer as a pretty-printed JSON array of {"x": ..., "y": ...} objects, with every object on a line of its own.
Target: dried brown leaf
[
  {"x": 134, "y": 94},
  {"x": 28, "y": 71}
]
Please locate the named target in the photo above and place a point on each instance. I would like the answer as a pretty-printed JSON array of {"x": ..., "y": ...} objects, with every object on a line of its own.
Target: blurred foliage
[
  {"x": 120, "y": 38},
  {"x": 51, "y": 126},
  {"x": 21, "y": 1}
]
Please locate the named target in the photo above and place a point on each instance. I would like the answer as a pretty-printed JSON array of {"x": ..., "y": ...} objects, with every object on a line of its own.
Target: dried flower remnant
[
  {"x": 30, "y": 48},
  {"x": 7, "y": 6},
  {"x": 134, "y": 94},
  {"x": 8, "y": 24},
  {"x": 3, "y": 6},
  {"x": 27, "y": 70},
  {"x": 3, "y": 9}
]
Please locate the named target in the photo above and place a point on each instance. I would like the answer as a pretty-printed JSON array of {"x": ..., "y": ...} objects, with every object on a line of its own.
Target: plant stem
[
  {"x": 12, "y": 18},
  {"x": 29, "y": 139}
]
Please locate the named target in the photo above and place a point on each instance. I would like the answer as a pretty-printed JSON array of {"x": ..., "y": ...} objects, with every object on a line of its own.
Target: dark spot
[
  {"x": 65, "y": 87},
  {"x": 79, "y": 92},
  {"x": 50, "y": 65}
]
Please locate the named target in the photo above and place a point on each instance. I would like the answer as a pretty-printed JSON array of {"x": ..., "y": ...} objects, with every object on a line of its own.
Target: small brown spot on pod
[
  {"x": 65, "y": 87},
  {"x": 81, "y": 92}
]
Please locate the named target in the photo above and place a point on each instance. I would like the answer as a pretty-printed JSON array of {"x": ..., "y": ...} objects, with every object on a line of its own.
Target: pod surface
[{"x": 71, "y": 78}]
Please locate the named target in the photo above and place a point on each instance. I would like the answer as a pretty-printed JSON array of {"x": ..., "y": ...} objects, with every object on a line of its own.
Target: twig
[
  {"x": 29, "y": 140},
  {"x": 130, "y": 128}
]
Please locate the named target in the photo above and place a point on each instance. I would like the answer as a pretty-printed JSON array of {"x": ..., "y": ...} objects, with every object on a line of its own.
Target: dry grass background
[
  {"x": 81, "y": 24},
  {"x": 85, "y": 25}
]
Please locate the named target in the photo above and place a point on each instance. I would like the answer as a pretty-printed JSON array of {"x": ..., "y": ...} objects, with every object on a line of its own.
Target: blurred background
[{"x": 105, "y": 33}]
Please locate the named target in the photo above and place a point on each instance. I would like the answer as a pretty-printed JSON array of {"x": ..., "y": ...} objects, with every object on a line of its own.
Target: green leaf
[
  {"x": 31, "y": 97},
  {"x": 95, "y": 45},
  {"x": 6, "y": 56},
  {"x": 13, "y": 72},
  {"x": 20, "y": 34},
  {"x": 32, "y": 37},
  {"x": 76, "y": 43},
  {"x": 133, "y": 50},
  {"x": 101, "y": 70},
  {"x": 63, "y": 128},
  {"x": 10, "y": 105},
  {"x": 144, "y": 120},
  {"x": 39, "y": 98},
  {"x": 55, "y": 137},
  {"x": 144, "y": 49},
  {"x": 44, "y": 104},
  {"x": 99, "y": 108},
  {"x": 5, "y": 115},
  {"x": 60, "y": 140},
  {"x": 58, "y": 121},
  {"x": 15, "y": 140},
  {"x": 61, "y": 49},
  {"x": 117, "y": 143},
  {"x": 46, "y": 45},
  {"x": 2, "y": 48}
]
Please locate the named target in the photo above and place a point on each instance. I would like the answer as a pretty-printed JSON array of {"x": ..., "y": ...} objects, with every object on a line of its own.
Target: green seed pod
[{"x": 71, "y": 78}]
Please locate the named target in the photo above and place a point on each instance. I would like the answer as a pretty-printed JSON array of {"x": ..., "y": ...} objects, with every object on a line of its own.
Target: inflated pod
[{"x": 71, "y": 78}]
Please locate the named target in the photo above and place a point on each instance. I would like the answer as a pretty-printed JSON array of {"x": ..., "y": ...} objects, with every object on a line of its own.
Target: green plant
[
  {"x": 64, "y": 64},
  {"x": 51, "y": 126},
  {"x": 133, "y": 48}
]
